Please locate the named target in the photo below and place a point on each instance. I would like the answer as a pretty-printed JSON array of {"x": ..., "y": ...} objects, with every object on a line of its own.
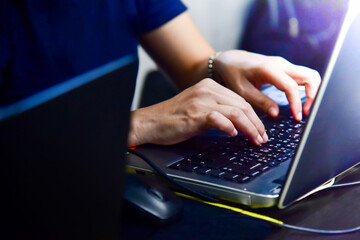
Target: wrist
[{"x": 135, "y": 137}]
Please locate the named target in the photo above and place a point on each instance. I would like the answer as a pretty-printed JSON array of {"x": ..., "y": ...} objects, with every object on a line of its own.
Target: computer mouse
[{"x": 147, "y": 199}]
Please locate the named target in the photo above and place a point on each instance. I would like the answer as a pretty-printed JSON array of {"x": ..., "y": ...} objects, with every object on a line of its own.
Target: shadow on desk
[{"x": 331, "y": 209}]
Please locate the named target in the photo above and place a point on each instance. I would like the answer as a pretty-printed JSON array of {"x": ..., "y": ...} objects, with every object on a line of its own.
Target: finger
[
  {"x": 225, "y": 96},
  {"x": 260, "y": 100},
  {"x": 305, "y": 76},
  {"x": 216, "y": 120},
  {"x": 255, "y": 132},
  {"x": 307, "y": 106},
  {"x": 308, "y": 77},
  {"x": 243, "y": 111},
  {"x": 287, "y": 84},
  {"x": 231, "y": 105}
]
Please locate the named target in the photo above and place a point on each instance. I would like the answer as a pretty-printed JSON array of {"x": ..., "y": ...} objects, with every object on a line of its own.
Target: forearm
[{"x": 180, "y": 51}]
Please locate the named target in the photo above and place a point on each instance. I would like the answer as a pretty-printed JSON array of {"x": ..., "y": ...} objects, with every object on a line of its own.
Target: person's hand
[
  {"x": 195, "y": 110},
  {"x": 246, "y": 72}
]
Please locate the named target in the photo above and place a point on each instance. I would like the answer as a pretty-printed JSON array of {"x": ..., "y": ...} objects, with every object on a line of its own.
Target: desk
[{"x": 337, "y": 208}]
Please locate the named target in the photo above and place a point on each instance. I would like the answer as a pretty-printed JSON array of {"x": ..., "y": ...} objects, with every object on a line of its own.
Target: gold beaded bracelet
[{"x": 211, "y": 62}]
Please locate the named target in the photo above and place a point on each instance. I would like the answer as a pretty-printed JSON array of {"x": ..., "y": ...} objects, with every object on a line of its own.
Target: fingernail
[
  {"x": 259, "y": 139},
  {"x": 299, "y": 116},
  {"x": 273, "y": 111},
  {"x": 265, "y": 137},
  {"x": 234, "y": 132}
]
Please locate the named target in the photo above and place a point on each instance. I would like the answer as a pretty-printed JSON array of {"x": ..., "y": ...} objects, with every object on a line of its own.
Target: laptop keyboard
[{"x": 237, "y": 159}]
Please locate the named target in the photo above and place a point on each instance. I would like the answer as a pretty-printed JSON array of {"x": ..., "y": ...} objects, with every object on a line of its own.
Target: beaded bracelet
[{"x": 211, "y": 62}]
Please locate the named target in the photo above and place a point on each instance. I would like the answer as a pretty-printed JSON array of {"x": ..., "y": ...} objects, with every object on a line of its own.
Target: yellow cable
[{"x": 235, "y": 209}]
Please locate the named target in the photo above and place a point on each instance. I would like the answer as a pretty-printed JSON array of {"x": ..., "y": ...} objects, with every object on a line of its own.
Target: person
[{"x": 45, "y": 42}]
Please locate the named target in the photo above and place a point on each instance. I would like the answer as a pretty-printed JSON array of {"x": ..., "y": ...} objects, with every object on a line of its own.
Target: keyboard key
[
  {"x": 231, "y": 176},
  {"x": 244, "y": 179},
  {"x": 283, "y": 150},
  {"x": 264, "y": 160},
  {"x": 255, "y": 166},
  {"x": 299, "y": 130},
  {"x": 264, "y": 168},
  {"x": 282, "y": 159},
  {"x": 175, "y": 165},
  {"x": 294, "y": 135},
  {"x": 203, "y": 170},
  {"x": 216, "y": 173},
  {"x": 245, "y": 169},
  {"x": 266, "y": 150},
  {"x": 273, "y": 163},
  {"x": 254, "y": 173}
]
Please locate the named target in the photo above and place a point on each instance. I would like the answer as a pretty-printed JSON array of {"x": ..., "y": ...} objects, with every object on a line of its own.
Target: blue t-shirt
[{"x": 44, "y": 42}]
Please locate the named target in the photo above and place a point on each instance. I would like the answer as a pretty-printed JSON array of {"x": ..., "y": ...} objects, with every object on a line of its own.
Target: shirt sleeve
[{"x": 151, "y": 14}]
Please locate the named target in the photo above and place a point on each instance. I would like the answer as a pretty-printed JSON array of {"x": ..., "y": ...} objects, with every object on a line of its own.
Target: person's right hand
[
  {"x": 246, "y": 72},
  {"x": 194, "y": 111}
]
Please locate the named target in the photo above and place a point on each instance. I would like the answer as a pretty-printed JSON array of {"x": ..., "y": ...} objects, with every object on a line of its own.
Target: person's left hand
[{"x": 246, "y": 72}]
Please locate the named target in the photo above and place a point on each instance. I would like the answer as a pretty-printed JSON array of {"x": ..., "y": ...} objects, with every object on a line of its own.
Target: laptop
[
  {"x": 62, "y": 156},
  {"x": 299, "y": 157}
]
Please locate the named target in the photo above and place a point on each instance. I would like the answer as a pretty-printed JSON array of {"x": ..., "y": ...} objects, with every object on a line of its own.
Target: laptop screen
[
  {"x": 62, "y": 153},
  {"x": 331, "y": 141}
]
